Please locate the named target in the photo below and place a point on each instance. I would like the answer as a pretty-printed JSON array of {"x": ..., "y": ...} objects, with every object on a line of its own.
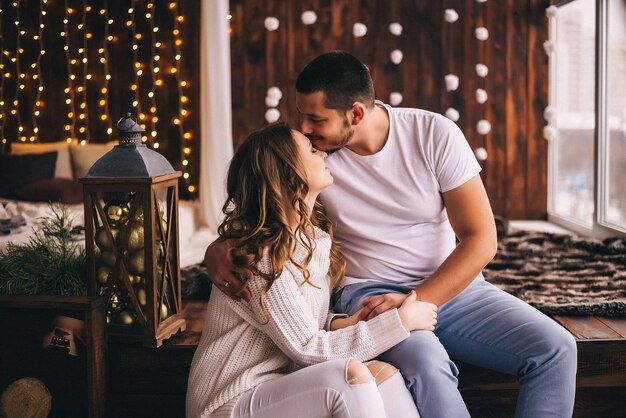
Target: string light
[
  {"x": 84, "y": 116},
  {"x": 18, "y": 85},
  {"x": 2, "y": 77},
  {"x": 70, "y": 76},
  {"x": 154, "y": 69},
  {"x": 21, "y": 65},
  {"x": 37, "y": 65},
  {"x": 104, "y": 59},
  {"x": 180, "y": 84},
  {"x": 137, "y": 66}
]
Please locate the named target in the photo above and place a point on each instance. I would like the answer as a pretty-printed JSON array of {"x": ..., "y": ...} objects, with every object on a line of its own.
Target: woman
[{"x": 251, "y": 357}]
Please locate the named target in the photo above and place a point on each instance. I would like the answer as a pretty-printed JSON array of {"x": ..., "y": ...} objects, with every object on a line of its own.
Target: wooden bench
[{"x": 152, "y": 382}]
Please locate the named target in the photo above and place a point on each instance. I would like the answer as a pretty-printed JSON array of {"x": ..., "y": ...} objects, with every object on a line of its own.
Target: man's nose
[{"x": 305, "y": 127}]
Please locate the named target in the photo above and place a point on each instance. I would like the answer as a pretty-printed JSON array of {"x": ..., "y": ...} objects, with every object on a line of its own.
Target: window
[{"x": 587, "y": 157}]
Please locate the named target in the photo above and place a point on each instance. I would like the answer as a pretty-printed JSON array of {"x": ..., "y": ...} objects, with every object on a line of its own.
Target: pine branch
[{"x": 51, "y": 263}]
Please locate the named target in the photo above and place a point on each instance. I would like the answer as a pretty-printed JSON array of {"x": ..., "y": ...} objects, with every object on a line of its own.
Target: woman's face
[{"x": 318, "y": 175}]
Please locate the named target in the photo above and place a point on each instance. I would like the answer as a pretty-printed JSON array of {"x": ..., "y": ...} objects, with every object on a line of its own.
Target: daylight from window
[
  {"x": 574, "y": 86},
  {"x": 615, "y": 204}
]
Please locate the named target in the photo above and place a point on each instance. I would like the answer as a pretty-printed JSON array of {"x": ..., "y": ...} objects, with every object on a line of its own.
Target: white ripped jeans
[{"x": 325, "y": 390}]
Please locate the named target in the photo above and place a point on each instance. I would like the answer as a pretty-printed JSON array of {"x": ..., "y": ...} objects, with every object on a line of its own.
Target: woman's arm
[
  {"x": 294, "y": 329},
  {"x": 414, "y": 315},
  {"x": 346, "y": 321}
]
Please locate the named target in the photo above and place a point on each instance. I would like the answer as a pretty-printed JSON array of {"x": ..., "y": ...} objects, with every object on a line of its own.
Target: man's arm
[
  {"x": 472, "y": 220},
  {"x": 224, "y": 275}
]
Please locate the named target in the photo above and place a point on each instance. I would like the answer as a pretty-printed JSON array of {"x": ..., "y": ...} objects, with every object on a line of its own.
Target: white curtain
[{"x": 215, "y": 110}]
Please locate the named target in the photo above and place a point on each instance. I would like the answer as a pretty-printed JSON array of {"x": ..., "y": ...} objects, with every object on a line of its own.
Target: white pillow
[
  {"x": 63, "y": 165},
  {"x": 84, "y": 156}
]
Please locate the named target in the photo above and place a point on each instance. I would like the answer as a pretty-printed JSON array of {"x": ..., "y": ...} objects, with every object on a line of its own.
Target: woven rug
[{"x": 562, "y": 274}]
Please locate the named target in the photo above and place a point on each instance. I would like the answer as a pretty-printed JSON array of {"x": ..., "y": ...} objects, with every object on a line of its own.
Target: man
[{"x": 406, "y": 187}]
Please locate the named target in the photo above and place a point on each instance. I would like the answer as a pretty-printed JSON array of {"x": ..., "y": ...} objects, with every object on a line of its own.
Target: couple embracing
[{"x": 297, "y": 320}]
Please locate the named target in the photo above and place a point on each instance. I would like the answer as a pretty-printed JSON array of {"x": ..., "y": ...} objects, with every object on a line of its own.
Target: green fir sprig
[{"x": 51, "y": 263}]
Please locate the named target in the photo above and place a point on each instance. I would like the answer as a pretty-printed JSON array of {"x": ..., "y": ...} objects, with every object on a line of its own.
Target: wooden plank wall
[{"x": 515, "y": 172}]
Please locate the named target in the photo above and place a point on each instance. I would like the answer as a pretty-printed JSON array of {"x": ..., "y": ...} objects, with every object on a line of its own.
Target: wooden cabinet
[{"x": 60, "y": 340}]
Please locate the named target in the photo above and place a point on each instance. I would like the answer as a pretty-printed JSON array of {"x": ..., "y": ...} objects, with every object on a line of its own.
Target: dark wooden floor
[{"x": 152, "y": 382}]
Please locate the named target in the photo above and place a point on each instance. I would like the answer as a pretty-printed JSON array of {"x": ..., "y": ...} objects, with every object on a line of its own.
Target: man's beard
[{"x": 349, "y": 133}]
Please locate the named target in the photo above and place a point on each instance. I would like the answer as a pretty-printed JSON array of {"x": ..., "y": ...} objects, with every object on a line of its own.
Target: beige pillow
[
  {"x": 63, "y": 166},
  {"x": 84, "y": 156}
]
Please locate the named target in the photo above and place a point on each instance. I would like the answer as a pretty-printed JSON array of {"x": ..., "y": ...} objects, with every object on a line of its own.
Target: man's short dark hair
[{"x": 341, "y": 77}]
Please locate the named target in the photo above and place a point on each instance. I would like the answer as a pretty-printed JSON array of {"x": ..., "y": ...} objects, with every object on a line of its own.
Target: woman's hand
[
  {"x": 417, "y": 315},
  {"x": 224, "y": 275}
]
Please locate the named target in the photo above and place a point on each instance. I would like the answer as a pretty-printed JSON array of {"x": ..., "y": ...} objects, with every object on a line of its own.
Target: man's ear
[{"x": 358, "y": 113}]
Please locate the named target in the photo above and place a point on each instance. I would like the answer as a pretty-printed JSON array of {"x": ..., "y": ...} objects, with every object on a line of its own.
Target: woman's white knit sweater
[{"x": 240, "y": 348}]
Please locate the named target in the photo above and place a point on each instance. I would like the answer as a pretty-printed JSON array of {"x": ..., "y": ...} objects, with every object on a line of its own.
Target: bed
[{"x": 34, "y": 174}]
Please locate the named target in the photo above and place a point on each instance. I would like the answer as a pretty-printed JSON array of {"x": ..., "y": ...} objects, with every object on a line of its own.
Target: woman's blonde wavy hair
[{"x": 266, "y": 188}]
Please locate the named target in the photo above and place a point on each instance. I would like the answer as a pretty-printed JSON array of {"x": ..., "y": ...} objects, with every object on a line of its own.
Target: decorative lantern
[{"x": 131, "y": 236}]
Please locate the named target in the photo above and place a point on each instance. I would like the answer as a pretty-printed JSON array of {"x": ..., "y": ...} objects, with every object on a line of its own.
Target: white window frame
[{"x": 601, "y": 227}]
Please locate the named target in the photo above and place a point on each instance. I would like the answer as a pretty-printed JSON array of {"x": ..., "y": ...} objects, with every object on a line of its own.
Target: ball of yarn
[
  {"x": 396, "y": 56},
  {"x": 309, "y": 17},
  {"x": 395, "y": 28},
  {"x": 451, "y": 15},
  {"x": 271, "y": 23},
  {"x": 481, "y": 154},
  {"x": 452, "y": 114},
  {"x": 452, "y": 82},
  {"x": 482, "y": 70},
  {"x": 395, "y": 98},
  {"x": 359, "y": 30},
  {"x": 483, "y": 127},
  {"x": 272, "y": 115},
  {"x": 481, "y": 96},
  {"x": 482, "y": 34}
]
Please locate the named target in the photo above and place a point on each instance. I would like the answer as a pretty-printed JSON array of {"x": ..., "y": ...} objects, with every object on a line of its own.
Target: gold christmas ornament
[
  {"x": 102, "y": 239},
  {"x": 164, "y": 311},
  {"x": 115, "y": 300},
  {"x": 108, "y": 258},
  {"x": 139, "y": 216},
  {"x": 141, "y": 296},
  {"x": 134, "y": 280},
  {"x": 117, "y": 214},
  {"x": 136, "y": 263},
  {"x": 126, "y": 318},
  {"x": 135, "y": 239},
  {"x": 104, "y": 275}
]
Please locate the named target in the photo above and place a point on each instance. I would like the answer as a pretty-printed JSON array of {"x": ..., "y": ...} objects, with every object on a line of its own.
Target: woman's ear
[{"x": 358, "y": 113}]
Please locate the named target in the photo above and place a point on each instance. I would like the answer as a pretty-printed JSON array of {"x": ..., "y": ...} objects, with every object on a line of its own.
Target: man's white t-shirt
[{"x": 387, "y": 208}]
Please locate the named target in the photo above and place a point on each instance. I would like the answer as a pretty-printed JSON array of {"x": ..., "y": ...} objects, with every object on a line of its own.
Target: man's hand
[
  {"x": 344, "y": 322},
  {"x": 378, "y": 304},
  {"x": 224, "y": 275}
]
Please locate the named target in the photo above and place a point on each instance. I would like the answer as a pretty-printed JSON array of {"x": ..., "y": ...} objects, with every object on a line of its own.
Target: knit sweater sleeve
[{"x": 294, "y": 329}]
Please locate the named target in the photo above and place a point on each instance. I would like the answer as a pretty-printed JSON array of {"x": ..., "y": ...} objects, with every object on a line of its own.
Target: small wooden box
[{"x": 76, "y": 379}]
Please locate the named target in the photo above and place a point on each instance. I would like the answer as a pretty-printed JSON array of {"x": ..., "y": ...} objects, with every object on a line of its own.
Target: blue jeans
[{"x": 486, "y": 327}]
